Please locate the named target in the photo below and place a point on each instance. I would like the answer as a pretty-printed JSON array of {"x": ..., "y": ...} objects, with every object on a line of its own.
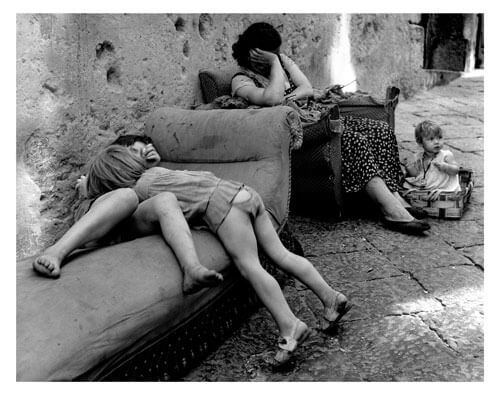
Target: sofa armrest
[
  {"x": 207, "y": 136},
  {"x": 251, "y": 146}
]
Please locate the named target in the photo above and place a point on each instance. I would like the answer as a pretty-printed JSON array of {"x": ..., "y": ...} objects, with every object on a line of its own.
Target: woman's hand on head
[
  {"x": 263, "y": 57},
  {"x": 151, "y": 155}
]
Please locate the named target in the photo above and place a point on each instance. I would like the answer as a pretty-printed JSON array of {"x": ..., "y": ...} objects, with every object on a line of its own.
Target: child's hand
[
  {"x": 447, "y": 167},
  {"x": 441, "y": 166},
  {"x": 81, "y": 186},
  {"x": 152, "y": 157}
]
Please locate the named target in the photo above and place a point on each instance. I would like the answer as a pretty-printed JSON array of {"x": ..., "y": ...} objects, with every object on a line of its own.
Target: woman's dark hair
[
  {"x": 129, "y": 139},
  {"x": 260, "y": 35}
]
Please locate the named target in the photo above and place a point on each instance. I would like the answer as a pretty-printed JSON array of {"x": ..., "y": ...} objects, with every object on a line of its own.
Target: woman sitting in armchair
[{"x": 370, "y": 158}]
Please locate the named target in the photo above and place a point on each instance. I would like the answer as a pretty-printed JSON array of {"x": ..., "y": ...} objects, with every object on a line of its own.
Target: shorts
[{"x": 221, "y": 201}]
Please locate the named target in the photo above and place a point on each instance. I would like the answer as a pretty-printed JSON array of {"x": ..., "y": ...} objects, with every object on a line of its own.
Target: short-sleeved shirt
[{"x": 431, "y": 178}]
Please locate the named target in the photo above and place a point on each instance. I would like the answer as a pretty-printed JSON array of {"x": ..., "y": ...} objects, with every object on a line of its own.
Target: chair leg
[{"x": 391, "y": 102}]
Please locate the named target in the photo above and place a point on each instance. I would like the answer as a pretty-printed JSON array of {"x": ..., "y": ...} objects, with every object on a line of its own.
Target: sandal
[
  {"x": 332, "y": 314},
  {"x": 288, "y": 344}
]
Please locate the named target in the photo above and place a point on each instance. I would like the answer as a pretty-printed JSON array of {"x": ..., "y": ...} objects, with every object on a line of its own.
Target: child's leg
[
  {"x": 105, "y": 213},
  {"x": 163, "y": 211},
  {"x": 334, "y": 302},
  {"x": 237, "y": 236}
]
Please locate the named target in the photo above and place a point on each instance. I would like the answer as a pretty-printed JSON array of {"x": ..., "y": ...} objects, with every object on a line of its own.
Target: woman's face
[{"x": 262, "y": 65}]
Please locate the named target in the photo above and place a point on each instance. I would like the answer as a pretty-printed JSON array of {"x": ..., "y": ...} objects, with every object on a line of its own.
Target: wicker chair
[{"x": 317, "y": 165}]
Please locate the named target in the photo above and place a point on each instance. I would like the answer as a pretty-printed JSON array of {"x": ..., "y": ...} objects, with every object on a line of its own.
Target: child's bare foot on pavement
[
  {"x": 48, "y": 264},
  {"x": 200, "y": 277}
]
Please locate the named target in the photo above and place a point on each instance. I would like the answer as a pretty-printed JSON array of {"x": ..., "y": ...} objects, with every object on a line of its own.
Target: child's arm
[
  {"x": 411, "y": 167},
  {"x": 448, "y": 165}
]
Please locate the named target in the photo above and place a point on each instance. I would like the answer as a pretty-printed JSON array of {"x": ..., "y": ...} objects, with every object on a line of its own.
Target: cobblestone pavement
[{"x": 418, "y": 301}]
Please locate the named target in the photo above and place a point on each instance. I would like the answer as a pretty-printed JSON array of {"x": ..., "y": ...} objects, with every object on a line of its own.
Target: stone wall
[{"x": 84, "y": 79}]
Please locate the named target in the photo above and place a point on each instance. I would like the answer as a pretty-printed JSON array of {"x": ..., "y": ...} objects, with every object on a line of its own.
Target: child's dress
[
  {"x": 201, "y": 195},
  {"x": 430, "y": 178}
]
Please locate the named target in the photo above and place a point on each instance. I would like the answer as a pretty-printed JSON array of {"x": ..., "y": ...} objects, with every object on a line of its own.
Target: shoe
[
  {"x": 417, "y": 212},
  {"x": 333, "y": 314},
  {"x": 288, "y": 344},
  {"x": 413, "y": 227}
]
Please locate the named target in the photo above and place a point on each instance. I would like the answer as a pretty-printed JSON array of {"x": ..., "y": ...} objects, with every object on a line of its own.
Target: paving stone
[
  {"x": 399, "y": 348},
  {"x": 466, "y": 144},
  {"x": 329, "y": 237},
  {"x": 410, "y": 253},
  {"x": 461, "y": 328},
  {"x": 475, "y": 254},
  {"x": 477, "y": 195},
  {"x": 328, "y": 242},
  {"x": 460, "y": 285},
  {"x": 459, "y": 233},
  {"x": 355, "y": 266},
  {"x": 382, "y": 297},
  {"x": 305, "y": 225},
  {"x": 474, "y": 209}
]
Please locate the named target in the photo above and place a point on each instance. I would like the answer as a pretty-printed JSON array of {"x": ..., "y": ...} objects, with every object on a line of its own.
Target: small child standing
[{"x": 434, "y": 169}]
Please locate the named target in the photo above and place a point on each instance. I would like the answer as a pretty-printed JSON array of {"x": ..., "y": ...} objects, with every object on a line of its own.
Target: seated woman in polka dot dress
[{"x": 370, "y": 158}]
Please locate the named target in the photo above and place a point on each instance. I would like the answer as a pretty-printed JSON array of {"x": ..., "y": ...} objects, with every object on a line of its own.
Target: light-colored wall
[{"x": 83, "y": 79}]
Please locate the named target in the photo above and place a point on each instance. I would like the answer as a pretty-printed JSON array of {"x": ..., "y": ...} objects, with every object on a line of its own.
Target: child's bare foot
[
  {"x": 336, "y": 307},
  {"x": 200, "y": 277},
  {"x": 48, "y": 264}
]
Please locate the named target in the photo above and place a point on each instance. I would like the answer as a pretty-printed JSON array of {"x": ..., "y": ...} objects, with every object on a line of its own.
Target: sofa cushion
[{"x": 114, "y": 298}]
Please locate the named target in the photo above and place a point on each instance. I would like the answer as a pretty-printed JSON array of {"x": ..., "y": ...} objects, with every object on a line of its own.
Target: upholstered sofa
[{"x": 118, "y": 312}]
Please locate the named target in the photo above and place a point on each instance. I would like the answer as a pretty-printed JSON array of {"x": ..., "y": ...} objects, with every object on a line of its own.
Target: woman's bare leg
[
  {"x": 162, "y": 212},
  {"x": 403, "y": 202},
  {"x": 107, "y": 211},
  {"x": 392, "y": 208}
]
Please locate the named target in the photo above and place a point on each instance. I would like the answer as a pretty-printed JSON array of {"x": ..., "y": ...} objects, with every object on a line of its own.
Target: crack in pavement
[{"x": 439, "y": 335}]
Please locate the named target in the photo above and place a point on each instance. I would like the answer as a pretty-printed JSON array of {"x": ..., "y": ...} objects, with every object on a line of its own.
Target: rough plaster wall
[
  {"x": 84, "y": 79},
  {"x": 387, "y": 50}
]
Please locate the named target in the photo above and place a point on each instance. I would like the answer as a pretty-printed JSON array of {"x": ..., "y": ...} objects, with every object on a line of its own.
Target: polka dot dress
[{"x": 369, "y": 149}]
